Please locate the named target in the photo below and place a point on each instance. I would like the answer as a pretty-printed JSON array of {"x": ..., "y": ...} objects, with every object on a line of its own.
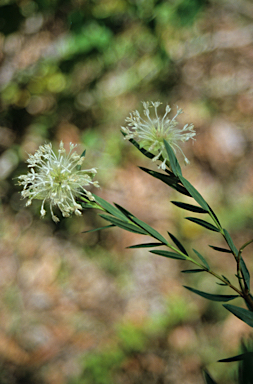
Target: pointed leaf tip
[
  {"x": 240, "y": 357},
  {"x": 189, "y": 207},
  {"x": 83, "y": 154},
  {"x": 146, "y": 245},
  {"x": 208, "y": 378},
  {"x": 203, "y": 223},
  {"x": 177, "y": 243},
  {"x": 202, "y": 259},
  {"x": 220, "y": 249},
  {"x": 211, "y": 296},
  {"x": 243, "y": 314}
]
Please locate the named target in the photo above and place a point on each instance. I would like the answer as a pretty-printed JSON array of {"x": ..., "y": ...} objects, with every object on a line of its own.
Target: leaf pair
[{"x": 120, "y": 217}]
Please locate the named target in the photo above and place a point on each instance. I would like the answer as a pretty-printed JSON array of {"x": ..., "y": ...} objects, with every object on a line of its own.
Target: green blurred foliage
[{"x": 120, "y": 39}]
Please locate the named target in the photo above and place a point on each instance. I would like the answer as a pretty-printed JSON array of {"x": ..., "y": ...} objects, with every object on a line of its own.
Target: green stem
[
  {"x": 226, "y": 282},
  {"x": 238, "y": 269},
  {"x": 177, "y": 250},
  {"x": 207, "y": 270},
  {"x": 245, "y": 245},
  {"x": 248, "y": 299},
  {"x": 245, "y": 294}
]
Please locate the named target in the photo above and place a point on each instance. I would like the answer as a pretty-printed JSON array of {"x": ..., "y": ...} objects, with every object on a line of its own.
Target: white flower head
[
  {"x": 58, "y": 179},
  {"x": 151, "y": 131}
]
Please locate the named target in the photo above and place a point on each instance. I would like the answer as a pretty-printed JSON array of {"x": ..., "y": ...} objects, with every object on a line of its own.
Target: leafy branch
[{"x": 120, "y": 217}]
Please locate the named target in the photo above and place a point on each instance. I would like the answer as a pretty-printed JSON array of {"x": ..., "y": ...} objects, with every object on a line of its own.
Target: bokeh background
[{"x": 81, "y": 308}]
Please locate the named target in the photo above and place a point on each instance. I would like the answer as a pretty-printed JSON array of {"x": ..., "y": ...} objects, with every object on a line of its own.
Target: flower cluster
[
  {"x": 58, "y": 179},
  {"x": 150, "y": 133}
]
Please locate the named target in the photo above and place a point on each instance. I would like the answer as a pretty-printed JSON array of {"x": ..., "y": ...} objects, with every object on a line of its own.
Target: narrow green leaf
[
  {"x": 170, "y": 180},
  {"x": 171, "y": 255},
  {"x": 211, "y": 296},
  {"x": 99, "y": 229},
  {"x": 214, "y": 215},
  {"x": 227, "y": 282},
  {"x": 146, "y": 245},
  {"x": 245, "y": 368},
  {"x": 240, "y": 357},
  {"x": 149, "y": 230},
  {"x": 78, "y": 167},
  {"x": 242, "y": 313},
  {"x": 203, "y": 223},
  {"x": 86, "y": 205},
  {"x": 142, "y": 225},
  {"x": 230, "y": 242},
  {"x": 219, "y": 249},
  {"x": 110, "y": 208},
  {"x": 224, "y": 277},
  {"x": 202, "y": 259},
  {"x": 173, "y": 160},
  {"x": 189, "y": 207},
  {"x": 142, "y": 150},
  {"x": 178, "y": 244},
  {"x": 208, "y": 378},
  {"x": 193, "y": 270},
  {"x": 245, "y": 273},
  {"x": 194, "y": 193},
  {"x": 124, "y": 225},
  {"x": 83, "y": 154}
]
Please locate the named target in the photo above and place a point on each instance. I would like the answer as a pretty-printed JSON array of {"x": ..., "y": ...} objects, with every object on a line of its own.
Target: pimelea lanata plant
[{"x": 60, "y": 180}]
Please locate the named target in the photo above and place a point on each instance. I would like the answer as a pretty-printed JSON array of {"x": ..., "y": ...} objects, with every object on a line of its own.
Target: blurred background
[{"x": 81, "y": 308}]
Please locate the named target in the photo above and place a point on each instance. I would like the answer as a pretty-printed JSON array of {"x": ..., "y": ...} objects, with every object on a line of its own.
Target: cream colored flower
[
  {"x": 58, "y": 179},
  {"x": 150, "y": 133}
]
